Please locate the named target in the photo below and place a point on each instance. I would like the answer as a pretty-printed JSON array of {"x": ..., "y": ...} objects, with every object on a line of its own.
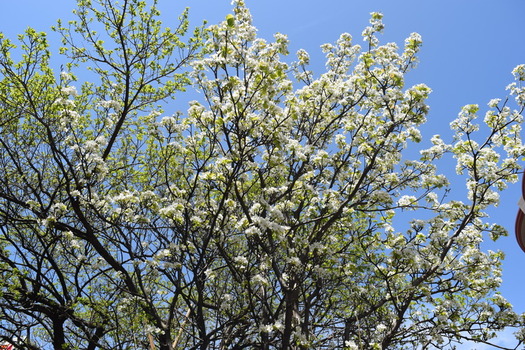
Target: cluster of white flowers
[
  {"x": 267, "y": 224},
  {"x": 407, "y": 201},
  {"x": 90, "y": 157},
  {"x": 65, "y": 76},
  {"x": 111, "y": 104},
  {"x": 69, "y": 91},
  {"x": 260, "y": 280},
  {"x": 68, "y": 117},
  {"x": 58, "y": 209},
  {"x": 437, "y": 150},
  {"x": 149, "y": 329},
  {"x": 241, "y": 261},
  {"x": 517, "y": 89},
  {"x": 162, "y": 254},
  {"x": 173, "y": 211},
  {"x": 269, "y": 328},
  {"x": 376, "y": 27},
  {"x": 464, "y": 123},
  {"x": 303, "y": 57},
  {"x": 351, "y": 345},
  {"x": 125, "y": 198}
]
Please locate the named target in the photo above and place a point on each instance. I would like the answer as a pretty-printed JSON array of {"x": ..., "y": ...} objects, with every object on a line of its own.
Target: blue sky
[{"x": 470, "y": 48}]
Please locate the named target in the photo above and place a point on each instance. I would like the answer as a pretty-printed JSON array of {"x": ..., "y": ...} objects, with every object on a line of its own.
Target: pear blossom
[{"x": 69, "y": 91}]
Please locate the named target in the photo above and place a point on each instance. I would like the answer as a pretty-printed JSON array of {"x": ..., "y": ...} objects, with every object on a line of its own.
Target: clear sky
[{"x": 470, "y": 48}]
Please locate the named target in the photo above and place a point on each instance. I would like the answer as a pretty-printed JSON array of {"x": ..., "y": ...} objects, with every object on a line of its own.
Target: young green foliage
[{"x": 67, "y": 274}]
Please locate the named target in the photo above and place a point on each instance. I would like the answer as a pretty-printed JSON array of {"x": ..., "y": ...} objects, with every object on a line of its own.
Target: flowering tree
[
  {"x": 71, "y": 160},
  {"x": 264, "y": 217}
]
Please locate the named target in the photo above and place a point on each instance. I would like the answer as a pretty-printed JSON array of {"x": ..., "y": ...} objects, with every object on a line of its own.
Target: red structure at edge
[{"x": 520, "y": 220}]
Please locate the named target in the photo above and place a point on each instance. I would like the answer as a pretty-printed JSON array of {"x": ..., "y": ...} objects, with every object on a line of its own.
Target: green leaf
[{"x": 230, "y": 20}]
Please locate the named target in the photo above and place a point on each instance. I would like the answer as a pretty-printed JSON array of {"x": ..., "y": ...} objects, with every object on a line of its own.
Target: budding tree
[
  {"x": 271, "y": 215},
  {"x": 69, "y": 154}
]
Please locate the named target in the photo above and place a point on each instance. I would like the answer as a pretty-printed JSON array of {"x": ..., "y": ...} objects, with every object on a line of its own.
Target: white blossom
[
  {"x": 69, "y": 91},
  {"x": 406, "y": 201}
]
